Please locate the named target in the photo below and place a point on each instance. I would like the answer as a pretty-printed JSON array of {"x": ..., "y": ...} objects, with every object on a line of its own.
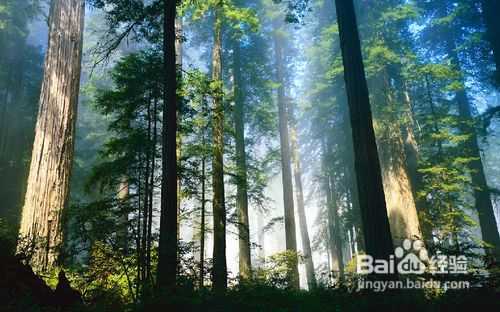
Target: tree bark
[
  {"x": 412, "y": 154},
  {"x": 52, "y": 156},
  {"x": 245, "y": 264},
  {"x": 286, "y": 170},
  {"x": 378, "y": 240},
  {"x": 401, "y": 207},
  {"x": 219, "y": 278},
  {"x": 167, "y": 249},
  {"x": 299, "y": 195}
]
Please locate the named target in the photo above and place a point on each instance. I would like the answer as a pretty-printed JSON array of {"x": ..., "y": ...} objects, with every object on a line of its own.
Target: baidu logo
[{"x": 411, "y": 258}]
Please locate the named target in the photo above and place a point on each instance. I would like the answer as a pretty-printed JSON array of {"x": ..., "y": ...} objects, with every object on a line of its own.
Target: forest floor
[{"x": 22, "y": 290}]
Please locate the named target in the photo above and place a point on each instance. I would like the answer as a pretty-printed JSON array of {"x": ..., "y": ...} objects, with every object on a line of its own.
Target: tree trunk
[
  {"x": 299, "y": 194},
  {"x": 52, "y": 156},
  {"x": 152, "y": 189},
  {"x": 241, "y": 170},
  {"x": 377, "y": 233},
  {"x": 484, "y": 207},
  {"x": 412, "y": 154},
  {"x": 334, "y": 240},
  {"x": 335, "y": 227},
  {"x": 491, "y": 9},
  {"x": 167, "y": 249},
  {"x": 219, "y": 278},
  {"x": 145, "y": 209},
  {"x": 202, "y": 223},
  {"x": 261, "y": 254},
  {"x": 123, "y": 195},
  {"x": 286, "y": 170},
  {"x": 401, "y": 208},
  {"x": 178, "y": 61}
]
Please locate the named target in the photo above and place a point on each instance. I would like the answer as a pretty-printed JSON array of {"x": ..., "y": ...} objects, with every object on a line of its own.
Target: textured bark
[
  {"x": 52, "y": 156},
  {"x": 299, "y": 195},
  {"x": 491, "y": 9},
  {"x": 401, "y": 207},
  {"x": 412, "y": 154},
  {"x": 378, "y": 240},
  {"x": 167, "y": 249},
  {"x": 219, "y": 278},
  {"x": 286, "y": 170},
  {"x": 245, "y": 264}
]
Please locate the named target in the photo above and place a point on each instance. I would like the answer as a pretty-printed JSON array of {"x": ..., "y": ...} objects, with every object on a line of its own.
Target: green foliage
[{"x": 277, "y": 269}]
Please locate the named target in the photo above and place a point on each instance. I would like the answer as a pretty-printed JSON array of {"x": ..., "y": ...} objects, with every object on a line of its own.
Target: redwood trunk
[
  {"x": 291, "y": 241},
  {"x": 299, "y": 195},
  {"x": 484, "y": 207},
  {"x": 378, "y": 240},
  {"x": 52, "y": 156},
  {"x": 167, "y": 249},
  {"x": 219, "y": 277},
  {"x": 245, "y": 264}
]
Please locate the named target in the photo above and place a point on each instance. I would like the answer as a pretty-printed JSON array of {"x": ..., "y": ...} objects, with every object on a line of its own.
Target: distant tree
[
  {"x": 21, "y": 70},
  {"x": 245, "y": 264},
  {"x": 299, "y": 195},
  {"x": 446, "y": 38}
]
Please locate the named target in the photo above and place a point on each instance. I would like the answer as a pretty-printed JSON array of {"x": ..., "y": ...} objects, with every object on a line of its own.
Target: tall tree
[
  {"x": 167, "y": 249},
  {"x": 484, "y": 206},
  {"x": 286, "y": 170},
  {"x": 245, "y": 264},
  {"x": 447, "y": 38},
  {"x": 378, "y": 240},
  {"x": 179, "y": 62},
  {"x": 219, "y": 277},
  {"x": 385, "y": 26},
  {"x": 50, "y": 169},
  {"x": 299, "y": 195}
]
